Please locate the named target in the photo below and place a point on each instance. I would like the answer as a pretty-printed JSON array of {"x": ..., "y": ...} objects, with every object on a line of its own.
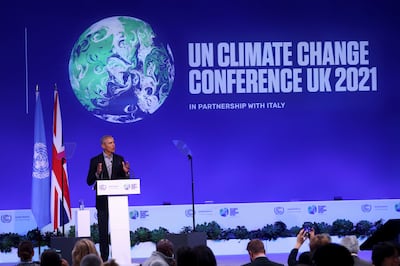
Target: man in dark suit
[
  {"x": 106, "y": 165},
  {"x": 257, "y": 254}
]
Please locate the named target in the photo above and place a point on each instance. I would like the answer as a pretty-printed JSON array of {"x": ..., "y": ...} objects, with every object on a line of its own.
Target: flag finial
[
  {"x": 55, "y": 86},
  {"x": 37, "y": 88}
]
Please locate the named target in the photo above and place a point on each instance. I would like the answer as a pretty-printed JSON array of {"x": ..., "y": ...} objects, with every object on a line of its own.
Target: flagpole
[
  {"x": 62, "y": 193},
  {"x": 36, "y": 91},
  {"x": 39, "y": 239},
  {"x": 37, "y": 228}
]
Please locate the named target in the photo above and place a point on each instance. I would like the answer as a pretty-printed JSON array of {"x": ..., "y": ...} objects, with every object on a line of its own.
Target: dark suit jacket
[
  {"x": 117, "y": 172},
  {"x": 304, "y": 258},
  {"x": 262, "y": 261}
]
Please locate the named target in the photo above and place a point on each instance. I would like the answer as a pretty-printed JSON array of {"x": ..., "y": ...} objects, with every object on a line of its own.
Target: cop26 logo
[{"x": 6, "y": 218}]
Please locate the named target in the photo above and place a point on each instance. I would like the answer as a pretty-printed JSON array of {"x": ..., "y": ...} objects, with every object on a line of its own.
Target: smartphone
[{"x": 307, "y": 226}]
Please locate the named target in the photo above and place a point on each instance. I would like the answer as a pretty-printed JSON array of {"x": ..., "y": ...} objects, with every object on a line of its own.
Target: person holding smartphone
[{"x": 305, "y": 233}]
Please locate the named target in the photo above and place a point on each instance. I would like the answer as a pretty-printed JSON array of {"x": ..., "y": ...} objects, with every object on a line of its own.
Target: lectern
[{"x": 117, "y": 191}]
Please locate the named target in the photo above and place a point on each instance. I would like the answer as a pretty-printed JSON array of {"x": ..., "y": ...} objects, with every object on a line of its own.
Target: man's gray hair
[
  {"x": 103, "y": 138},
  {"x": 351, "y": 243}
]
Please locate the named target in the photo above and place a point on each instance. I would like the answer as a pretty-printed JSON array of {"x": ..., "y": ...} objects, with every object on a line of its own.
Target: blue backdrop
[{"x": 305, "y": 145}]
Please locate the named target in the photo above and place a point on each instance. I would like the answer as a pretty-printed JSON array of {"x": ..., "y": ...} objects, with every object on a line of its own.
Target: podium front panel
[
  {"x": 115, "y": 187},
  {"x": 119, "y": 229}
]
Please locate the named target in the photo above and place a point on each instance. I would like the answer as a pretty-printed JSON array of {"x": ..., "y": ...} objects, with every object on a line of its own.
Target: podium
[
  {"x": 117, "y": 191},
  {"x": 82, "y": 223}
]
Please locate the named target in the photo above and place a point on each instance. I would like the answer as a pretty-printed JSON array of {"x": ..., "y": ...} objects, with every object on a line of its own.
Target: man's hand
[
  {"x": 99, "y": 169},
  {"x": 126, "y": 167}
]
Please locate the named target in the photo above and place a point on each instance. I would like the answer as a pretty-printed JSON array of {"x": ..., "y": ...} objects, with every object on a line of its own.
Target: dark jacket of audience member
[{"x": 304, "y": 258}]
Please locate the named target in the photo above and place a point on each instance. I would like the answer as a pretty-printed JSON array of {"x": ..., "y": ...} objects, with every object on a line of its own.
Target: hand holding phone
[{"x": 308, "y": 228}]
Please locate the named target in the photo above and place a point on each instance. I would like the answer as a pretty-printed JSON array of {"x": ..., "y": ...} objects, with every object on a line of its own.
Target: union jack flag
[{"x": 60, "y": 197}]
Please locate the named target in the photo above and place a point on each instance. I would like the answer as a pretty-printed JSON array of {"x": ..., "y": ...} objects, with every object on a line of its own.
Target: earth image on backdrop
[{"x": 118, "y": 70}]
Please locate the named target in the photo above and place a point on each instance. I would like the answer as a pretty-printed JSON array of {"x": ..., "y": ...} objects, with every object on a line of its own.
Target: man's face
[{"x": 108, "y": 145}]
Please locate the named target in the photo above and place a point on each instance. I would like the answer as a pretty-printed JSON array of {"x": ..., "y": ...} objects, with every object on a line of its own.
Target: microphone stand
[
  {"x": 39, "y": 239},
  {"x": 193, "y": 210},
  {"x": 185, "y": 149}
]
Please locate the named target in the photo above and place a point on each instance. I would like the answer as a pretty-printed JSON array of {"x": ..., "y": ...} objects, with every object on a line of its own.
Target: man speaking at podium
[{"x": 106, "y": 165}]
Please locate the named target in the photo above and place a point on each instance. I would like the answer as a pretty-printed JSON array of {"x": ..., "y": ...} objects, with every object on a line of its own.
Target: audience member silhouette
[
  {"x": 385, "y": 254},
  {"x": 332, "y": 254},
  {"x": 257, "y": 254},
  {"x": 351, "y": 243},
  {"x": 316, "y": 240},
  {"x": 50, "y": 257},
  {"x": 26, "y": 253},
  {"x": 204, "y": 256},
  {"x": 163, "y": 256},
  {"x": 82, "y": 248},
  {"x": 185, "y": 256},
  {"x": 200, "y": 255},
  {"x": 304, "y": 258},
  {"x": 91, "y": 260},
  {"x": 319, "y": 240}
]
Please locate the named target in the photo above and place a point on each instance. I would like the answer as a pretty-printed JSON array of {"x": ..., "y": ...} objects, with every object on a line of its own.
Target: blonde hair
[{"x": 82, "y": 248}]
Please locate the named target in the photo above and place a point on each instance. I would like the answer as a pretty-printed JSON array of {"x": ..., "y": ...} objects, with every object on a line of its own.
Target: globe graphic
[{"x": 119, "y": 71}]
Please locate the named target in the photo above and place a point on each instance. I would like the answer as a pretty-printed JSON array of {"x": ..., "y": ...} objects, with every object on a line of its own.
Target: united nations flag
[{"x": 40, "y": 170}]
